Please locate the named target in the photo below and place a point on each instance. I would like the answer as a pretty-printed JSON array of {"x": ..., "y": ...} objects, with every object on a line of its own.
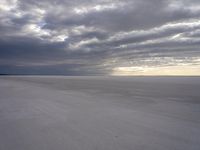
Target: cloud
[{"x": 89, "y": 37}]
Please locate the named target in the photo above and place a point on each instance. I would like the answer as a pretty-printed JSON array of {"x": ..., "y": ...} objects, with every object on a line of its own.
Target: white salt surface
[{"x": 99, "y": 113}]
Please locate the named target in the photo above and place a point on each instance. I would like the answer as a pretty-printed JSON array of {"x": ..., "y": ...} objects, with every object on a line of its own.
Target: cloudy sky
[{"x": 100, "y": 37}]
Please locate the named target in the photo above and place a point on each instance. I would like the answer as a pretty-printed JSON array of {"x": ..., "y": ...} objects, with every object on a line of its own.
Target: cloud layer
[{"x": 97, "y": 37}]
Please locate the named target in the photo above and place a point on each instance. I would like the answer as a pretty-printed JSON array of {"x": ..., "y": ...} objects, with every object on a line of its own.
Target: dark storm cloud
[{"x": 83, "y": 37}]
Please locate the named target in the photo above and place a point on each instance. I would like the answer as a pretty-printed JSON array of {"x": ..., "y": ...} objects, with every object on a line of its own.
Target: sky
[{"x": 100, "y": 37}]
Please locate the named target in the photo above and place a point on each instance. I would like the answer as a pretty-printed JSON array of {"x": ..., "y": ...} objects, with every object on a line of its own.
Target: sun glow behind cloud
[
  {"x": 177, "y": 68},
  {"x": 155, "y": 71}
]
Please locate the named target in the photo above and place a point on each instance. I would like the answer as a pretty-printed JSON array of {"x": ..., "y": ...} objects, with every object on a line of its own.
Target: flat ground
[{"x": 99, "y": 113}]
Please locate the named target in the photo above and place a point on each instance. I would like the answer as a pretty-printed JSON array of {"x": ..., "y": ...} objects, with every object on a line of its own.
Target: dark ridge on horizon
[{"x": 100, "y": 75}]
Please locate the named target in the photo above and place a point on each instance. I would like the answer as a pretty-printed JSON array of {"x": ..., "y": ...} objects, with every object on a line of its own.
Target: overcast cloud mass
[{"x": 100, "y": 37}]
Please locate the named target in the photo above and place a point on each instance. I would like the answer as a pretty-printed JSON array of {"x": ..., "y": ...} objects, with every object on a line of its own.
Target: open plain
[{"x": 99, "y": 113}]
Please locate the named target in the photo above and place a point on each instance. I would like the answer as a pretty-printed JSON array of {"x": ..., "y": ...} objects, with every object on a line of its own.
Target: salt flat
[{"x": 99, "y": 113}]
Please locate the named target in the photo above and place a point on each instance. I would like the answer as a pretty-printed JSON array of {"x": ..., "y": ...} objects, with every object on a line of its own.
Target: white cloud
[{"x": 96, "y": 8}]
